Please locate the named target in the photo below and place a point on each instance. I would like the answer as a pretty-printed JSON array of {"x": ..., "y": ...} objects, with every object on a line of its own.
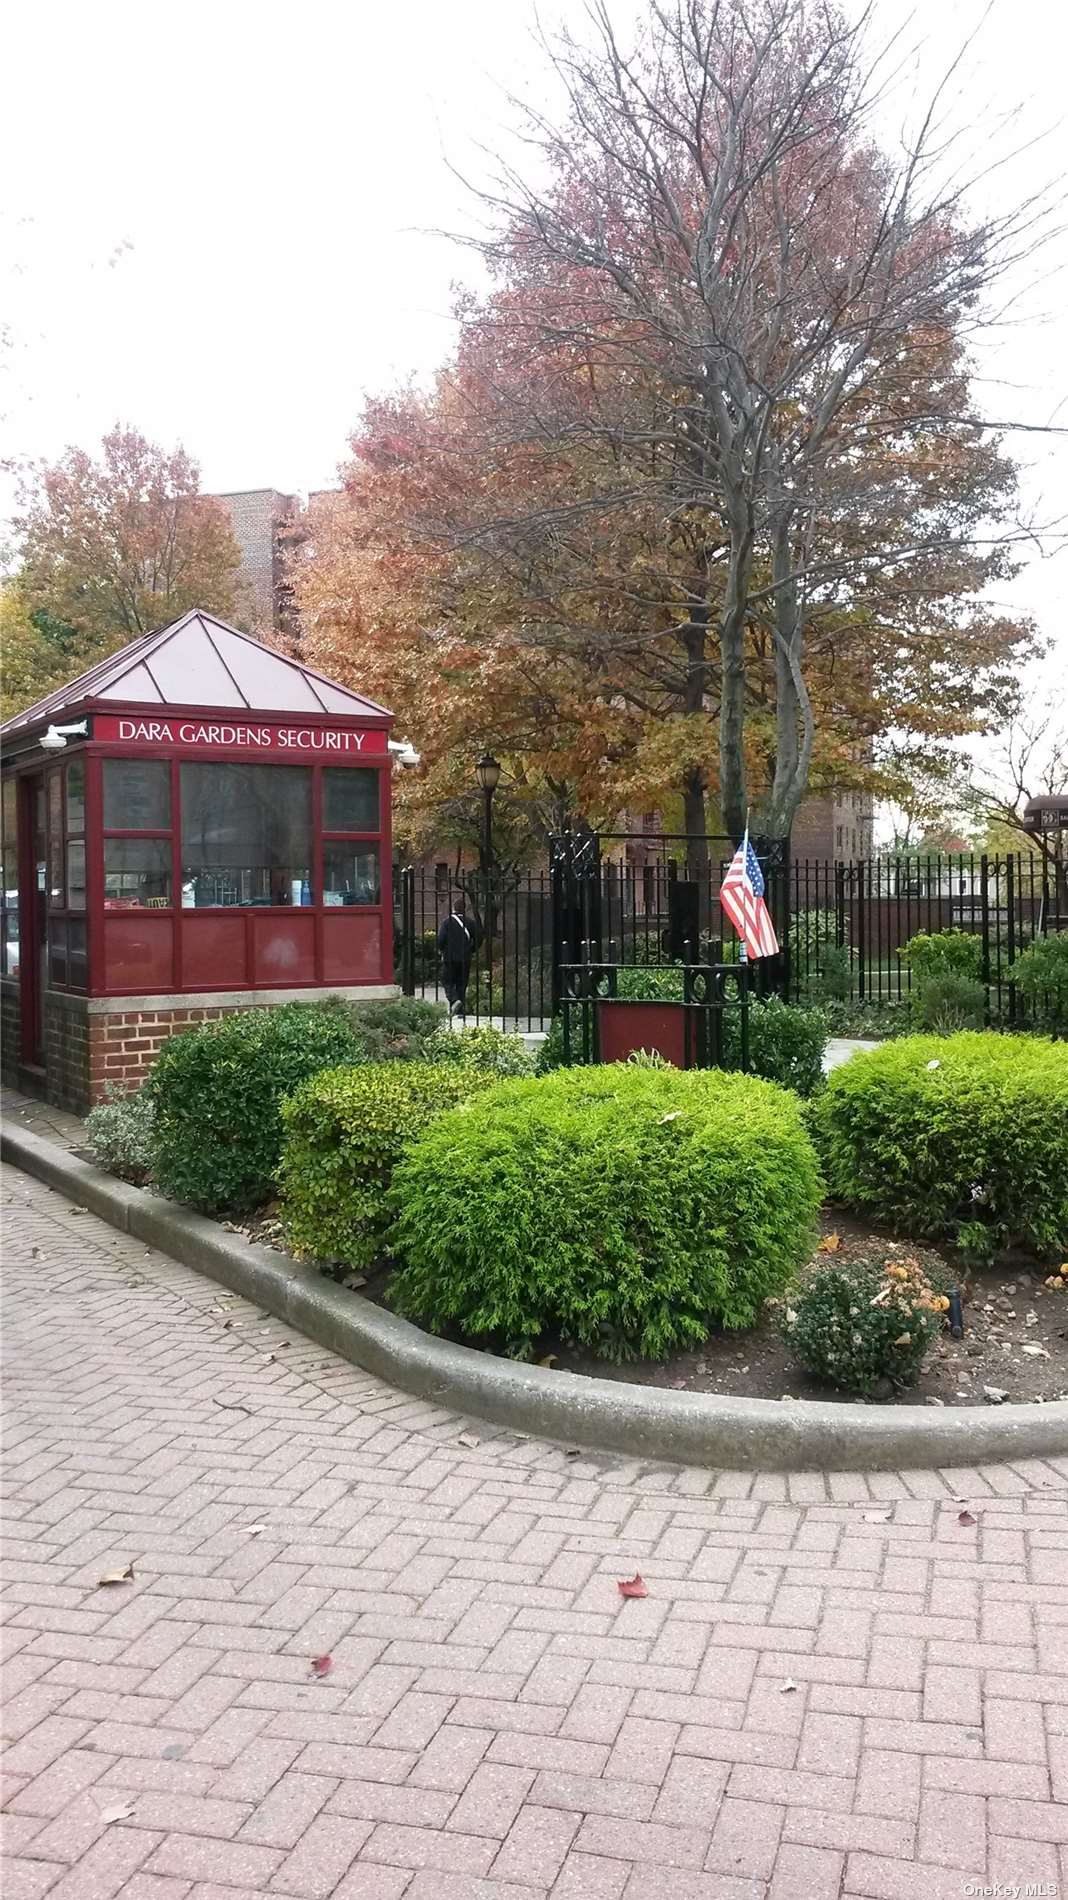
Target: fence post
[
  {"x": 862, "y": 930},
  {"x": 1010, "y": 925},
  {"x": 984, "y": 881},
  {"x": 408, "y": 930}
]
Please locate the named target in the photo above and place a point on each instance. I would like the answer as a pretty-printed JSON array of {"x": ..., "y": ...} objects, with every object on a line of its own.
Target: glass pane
[
  {"x": 76, "y": 795},
  {"x": 76, "y": 874},
  {"x": 9, "y": 813},
  {"x": 77, "y": 961},
  {"x": 350, "y": 874},
  {"x": 246, "y": 834},
  {"x": 57, "y": 951},
  {"x": 55, "y": 840},
  {"x": 137, "y": 795},
  {"x": 137, "y": 873},
  {"x": 350, "y": 799},
  {"x": 11, "y": 942}
]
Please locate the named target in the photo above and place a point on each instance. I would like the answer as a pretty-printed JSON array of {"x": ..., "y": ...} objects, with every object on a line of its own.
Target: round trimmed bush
[
  {"x": 217, "y": 1092},
  {"x": 626, "y": 1210},
  {"x": 345, "y": 1130},
  {"x": 964, "y": 1137}
]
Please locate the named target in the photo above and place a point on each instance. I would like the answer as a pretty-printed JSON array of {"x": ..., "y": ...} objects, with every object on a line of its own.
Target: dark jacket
[{"x": 457, "y": 939}]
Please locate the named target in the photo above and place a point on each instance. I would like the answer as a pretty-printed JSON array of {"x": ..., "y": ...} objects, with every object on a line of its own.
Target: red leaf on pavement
[
  {"x": 632, "y": 1586},
  {"x": 965, "y": 1517},
  {"x": 322, "y": 1665}
]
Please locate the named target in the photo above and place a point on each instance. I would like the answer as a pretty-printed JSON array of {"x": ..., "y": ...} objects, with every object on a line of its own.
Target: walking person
[{"x": 457, "y": 943}]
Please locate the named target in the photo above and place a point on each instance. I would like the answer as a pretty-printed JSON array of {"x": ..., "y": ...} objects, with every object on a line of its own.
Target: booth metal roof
[{"x": 200, "y": 661}]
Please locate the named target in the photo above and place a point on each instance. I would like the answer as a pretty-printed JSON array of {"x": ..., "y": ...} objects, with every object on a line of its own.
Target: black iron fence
[{"x": 638, "y": 903}]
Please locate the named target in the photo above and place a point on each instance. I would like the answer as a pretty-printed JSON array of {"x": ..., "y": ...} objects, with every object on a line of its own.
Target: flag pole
[{"x": 743, "y": 954}]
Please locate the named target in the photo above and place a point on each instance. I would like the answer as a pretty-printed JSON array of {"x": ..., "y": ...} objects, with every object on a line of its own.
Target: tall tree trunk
[
  {"x": 793, "y": 709},
  {"x": 695, "y": 785},
  {"x": 733, "y": 796}
]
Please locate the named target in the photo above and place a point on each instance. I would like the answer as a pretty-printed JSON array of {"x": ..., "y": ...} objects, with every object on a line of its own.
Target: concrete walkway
[{"x": 833, "y": 1687}]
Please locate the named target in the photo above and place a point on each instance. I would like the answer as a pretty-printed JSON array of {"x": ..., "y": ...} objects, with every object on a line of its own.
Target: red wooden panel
[
  {"x": 625, "y": 1027},
  {"x": 283, "y": 948},
  {"x": 213, "y": 950},
  {"x": 138, "y": 950},
  {"x": 352, "y": 946}
]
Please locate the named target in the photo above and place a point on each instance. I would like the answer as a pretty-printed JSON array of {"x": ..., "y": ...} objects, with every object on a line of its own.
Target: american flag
[{"x": 742, "y": 897}]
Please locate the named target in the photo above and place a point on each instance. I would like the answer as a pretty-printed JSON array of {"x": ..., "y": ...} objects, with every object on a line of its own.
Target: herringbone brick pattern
[{"x": 832, "y": 1688}]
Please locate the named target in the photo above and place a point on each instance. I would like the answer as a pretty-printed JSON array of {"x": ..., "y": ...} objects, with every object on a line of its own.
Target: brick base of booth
[{"x": 92, "y": 1044}]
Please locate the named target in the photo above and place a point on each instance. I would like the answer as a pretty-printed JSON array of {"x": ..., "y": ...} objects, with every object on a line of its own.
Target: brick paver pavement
[{"x": 833, "y": 1687}]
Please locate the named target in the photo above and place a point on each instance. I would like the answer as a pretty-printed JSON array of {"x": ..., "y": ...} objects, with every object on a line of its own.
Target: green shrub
[
  {"x": 865, "y": 1321},
  {"x": 217, "y": 1091},
  {"x": 820, "y": 964},
  {"x": 1040, "y": 974},
  {"x": 345, "y": 1130},
  {"x": 948, "y": 1002},
  {"x": 483, "y": 1048},
  {"x": 932, "y": 953},
  {"x": 397, "y": 1028},
  {"x": 786, "y": 1044},
  {"x": 626, "y": 1209},
  {"x": 119, "y": 1134},
  {"x": 960, "y": 1136},
  {"x": 870, "y": 1021}
]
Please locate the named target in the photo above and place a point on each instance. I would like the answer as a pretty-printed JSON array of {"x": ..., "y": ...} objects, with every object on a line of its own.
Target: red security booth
[{"x": 197, "y": 824}]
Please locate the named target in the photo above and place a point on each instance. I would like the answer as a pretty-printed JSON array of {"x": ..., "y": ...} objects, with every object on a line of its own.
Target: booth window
[
  {"x": 137, "y": 834},
  {"x": 9, "y": 875},
  {"x": 246, "y": 835},
  {"x": 352, "y": 871}
]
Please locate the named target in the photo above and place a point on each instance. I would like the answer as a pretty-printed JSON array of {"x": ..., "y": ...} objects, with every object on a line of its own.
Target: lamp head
[
  {"x": 56, "y": 737},
  {"x": 488, "y": 772}
]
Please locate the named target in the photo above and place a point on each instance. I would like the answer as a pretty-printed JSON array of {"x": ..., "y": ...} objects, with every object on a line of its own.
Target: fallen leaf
[
  {"x": 251, "y": 1530},
  {"x": 789, "y": 1687},
  {"x": 830, "y": 1243},
  {"x": 120, "y": 1812},
  {"x": 572, "y": 1451},
  {"x": 672, "y": 1117},
  {"x": 965, "y": 1517},
  {"x": 322, "y": 1665},
  {"x": 549, "y": 1359},
  {"x": 468, "y": 1440},
  {"x": 115, "y": 1576},
  {"x": 632, "y": 1586}
]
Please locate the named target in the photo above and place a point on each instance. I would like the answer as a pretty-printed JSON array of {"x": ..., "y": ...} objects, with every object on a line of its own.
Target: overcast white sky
[{"x": 212, "y": 218}]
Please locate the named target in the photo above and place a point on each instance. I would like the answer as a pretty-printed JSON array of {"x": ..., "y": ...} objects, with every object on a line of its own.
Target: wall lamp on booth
[
  {"x": 405, "y": 754},
  {"x": 56, "y": 737}
]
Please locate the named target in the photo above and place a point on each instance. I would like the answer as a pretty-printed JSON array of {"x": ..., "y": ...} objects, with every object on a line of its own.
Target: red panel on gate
[
  {"x": 352, "y": 947},
  {"x": 625, "y": 1027},
  {"x": 213, "y": 951},
  {"x": 138, "y": 950},
  {"x": 283, "y": 949}
]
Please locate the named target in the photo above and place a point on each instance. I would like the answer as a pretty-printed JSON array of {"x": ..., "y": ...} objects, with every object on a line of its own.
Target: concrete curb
[{"x": 640, "y": 1421}]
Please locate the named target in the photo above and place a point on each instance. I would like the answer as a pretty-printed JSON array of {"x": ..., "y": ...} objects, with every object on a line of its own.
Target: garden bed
[{"x": 757, "y": 1364}]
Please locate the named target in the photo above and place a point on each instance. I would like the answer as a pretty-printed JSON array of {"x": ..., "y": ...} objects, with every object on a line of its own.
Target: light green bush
[
  {"x": 119, "y": 1134},
  {"x": 217, "y": 1092},
  {"x": 786, "y": 1044},
  {"x": 964, "y": 1137},
  {"x": 628, "y": 1210},
  {"x": 1040, "y": 973},
  {"x": 345, "y": 1130},
  {"x": 483, "y": 1048}
]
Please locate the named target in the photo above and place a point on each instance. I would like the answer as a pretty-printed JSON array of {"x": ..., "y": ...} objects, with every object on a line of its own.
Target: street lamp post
[{"x": 488, "y": 773}]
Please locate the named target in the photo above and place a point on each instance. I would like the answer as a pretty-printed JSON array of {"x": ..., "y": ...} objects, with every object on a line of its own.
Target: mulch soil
[{"x": 1015, "y": 1340}]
